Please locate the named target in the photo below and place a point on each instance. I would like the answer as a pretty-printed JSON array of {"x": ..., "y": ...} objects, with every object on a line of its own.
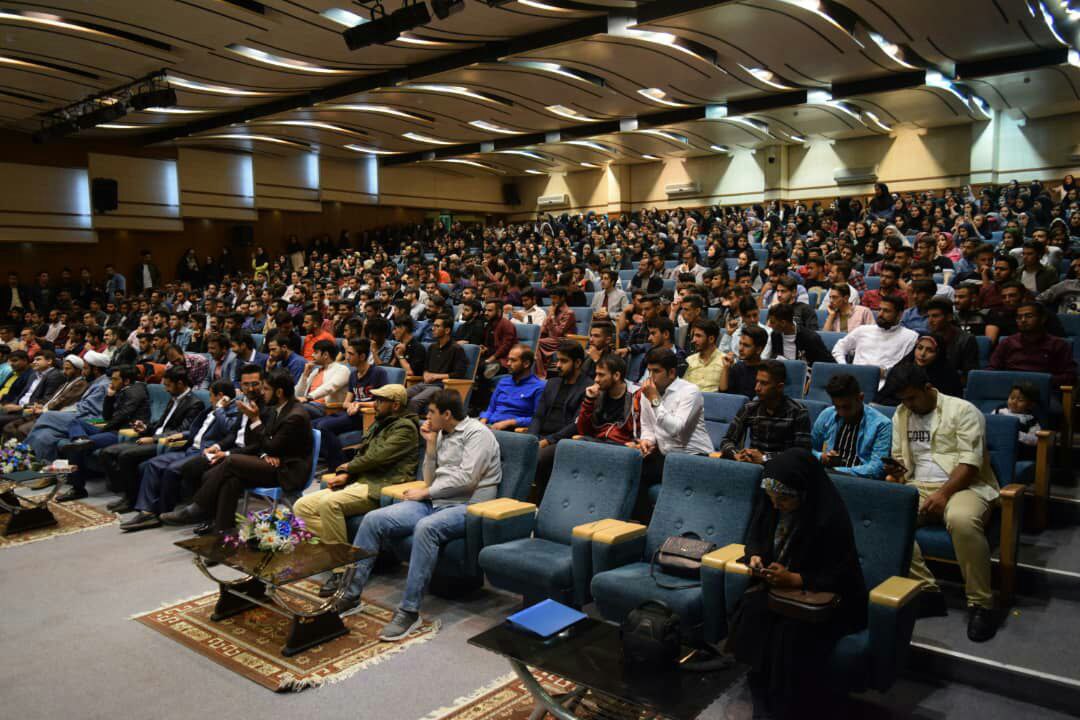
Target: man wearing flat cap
[{"x": 389, "y": 454}]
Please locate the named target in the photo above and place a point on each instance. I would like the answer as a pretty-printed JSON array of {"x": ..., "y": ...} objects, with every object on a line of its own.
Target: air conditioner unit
[
  {"x": 691, "y": 188},
  {"x": 855, "y": 175},
  {"x": 552, "y": 201},
  {"x": 1074, "y": 156}
]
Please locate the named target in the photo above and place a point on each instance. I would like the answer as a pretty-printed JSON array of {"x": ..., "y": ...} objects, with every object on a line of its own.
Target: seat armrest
[
  {"x": 718, "y": 559},
  {"x": 613, "y": 545},
  {"x": 334, "y": 406},
  {"x": 716, "y": 454},
  {"x": 896, "y": 592},
  {"x": 1044, "y": 450},
  {"x": 474, "y": 531},
  {"x": 501, "y": 509},
  {"x": 713, "y": 589},
  {"x": 1012, "y": 514},
  {"x": 503, "y": 520},
  {"x": 1067, "y": 400},
  {"x": 581, "y": 551},
  {"x": 521, "y": 429},
  {"x": 459, "y": 385},
  {"x": 583, "y": 340},
  {"x": 411, "y": 380},
  {"x": 396, "y": 493}
]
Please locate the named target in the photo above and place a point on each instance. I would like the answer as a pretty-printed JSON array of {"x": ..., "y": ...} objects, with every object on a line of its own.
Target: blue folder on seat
[{"x": 546, "y": 618}]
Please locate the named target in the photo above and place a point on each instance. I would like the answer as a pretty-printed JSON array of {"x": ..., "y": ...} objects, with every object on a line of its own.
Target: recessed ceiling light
[
  {"x": 542, "y": 6},
  {"x": 456, "y": 90},
  {"x": 589, "y": 165},
  {"x": 343, "y": 17},
  {"x": 561, "y": 70},
  {"x": 666, "y": 134},
  {"x": 213, "y": 88},
  {"x": 649, "y": 157},
  {"x": 176, "y": 111},
  {"x": 533, "y": 172},
  {"x": 48, "y": 19},
  {"x": 462, "y": 161},
  {"x": 667, "y": 40},
  {"x": 767, "y": 77},
  {"x": 659, "y": 96},
  {"x": 244, "y": 136},
  {"x": 563, "y": 111},
  {"x": 590, "y": 144},
  {"x": 117, "y": 126},
  {"x": 283, "y": 62},
  {"x": 378, "y": 109},
  {"x": 313, "y": 124},
  {"x": 369, "y": 150},
  {"x": 522, "y": 153},
  {"x": 417, "y": 137},
  {"x": 492, "y": 127},
  {"x": 720, "y": 148},
  {"x": 414, "y": 40}
]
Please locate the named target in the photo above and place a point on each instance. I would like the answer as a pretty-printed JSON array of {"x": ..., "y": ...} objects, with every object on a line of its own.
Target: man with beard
[{"x": 882, "y": 344}]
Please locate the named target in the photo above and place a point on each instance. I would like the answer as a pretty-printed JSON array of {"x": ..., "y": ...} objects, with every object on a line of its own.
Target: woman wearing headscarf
[
  {"x": 799, "y": 536},
  {"x": 881, "y": 205},
  {"x": 929, "y": 354}
]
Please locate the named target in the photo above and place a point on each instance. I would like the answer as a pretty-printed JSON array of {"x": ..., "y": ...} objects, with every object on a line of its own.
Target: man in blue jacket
[
  {"x": 851, "y": 437},
  {"x": 513, "y": 403}
]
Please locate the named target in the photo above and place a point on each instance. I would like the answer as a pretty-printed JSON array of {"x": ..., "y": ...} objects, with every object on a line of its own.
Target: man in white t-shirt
[{"x": 939, "y": 446}]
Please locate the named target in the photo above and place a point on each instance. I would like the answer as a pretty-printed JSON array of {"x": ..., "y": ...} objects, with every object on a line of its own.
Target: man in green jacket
[{"x": 389, "y": 454}]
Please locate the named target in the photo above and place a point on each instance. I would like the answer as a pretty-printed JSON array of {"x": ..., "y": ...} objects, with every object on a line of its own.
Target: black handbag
[
  {"x": 680, "y": 555},
  {"x": 650, "y": 636},
  {"x": 804, "y": 606}
]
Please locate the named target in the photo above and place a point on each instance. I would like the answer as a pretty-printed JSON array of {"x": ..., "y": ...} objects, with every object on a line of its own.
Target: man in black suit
[
  {"x": 14, "y": 295},
  {"x": 121, "y": 461},
  {"x": 277, "y": 455},
  {"x": 791, "y": 342},
  {"x": 556, "y": 414},
  {"x": 40, "y": 382},
  {"x": 17, "y": 385},
  {"x": 147, "y": 275}
]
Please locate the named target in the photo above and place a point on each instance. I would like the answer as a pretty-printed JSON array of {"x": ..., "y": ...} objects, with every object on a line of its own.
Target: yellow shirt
[{"x": 706, "y": 375}]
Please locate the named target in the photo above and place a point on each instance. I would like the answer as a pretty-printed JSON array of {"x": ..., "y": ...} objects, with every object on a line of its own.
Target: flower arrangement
[
  {"x": 16, "y": 456},
  {"x": 274, "y": 530}
]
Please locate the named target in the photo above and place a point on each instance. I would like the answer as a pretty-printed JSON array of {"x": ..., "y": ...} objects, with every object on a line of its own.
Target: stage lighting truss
[{"x": 151, "y": 91}]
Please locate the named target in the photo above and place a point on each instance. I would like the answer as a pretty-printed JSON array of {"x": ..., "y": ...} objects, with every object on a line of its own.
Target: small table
[
  {"x": 26, "y": 513},
  {"x": 589, "y": 654},
  {"x": 268, "y": 575}
]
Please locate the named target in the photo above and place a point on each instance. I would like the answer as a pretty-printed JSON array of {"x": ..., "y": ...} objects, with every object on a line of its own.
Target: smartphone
[{"x": 892, "y": 465}]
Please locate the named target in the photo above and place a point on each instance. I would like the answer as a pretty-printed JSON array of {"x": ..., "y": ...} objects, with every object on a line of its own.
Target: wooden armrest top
[
  {"x": 718, "y": 559},
  {"x": 482, "y": 508},
  {"x": 127, "y": 432},
  {"x": 174, "y": 443},
  {"x": 521, "y": 430},
  {"x": 587, "y": 530},
  {"x": 397, "y": 491},
  {"x": 716, "y": 454},
  {"x": 623, "y": 532},
  {"x": 896, "y": 592},
  {"x": 1044, "y": 434},
  {"x": 1013, "y": 491},
  {"x": 507, "y": 508}
]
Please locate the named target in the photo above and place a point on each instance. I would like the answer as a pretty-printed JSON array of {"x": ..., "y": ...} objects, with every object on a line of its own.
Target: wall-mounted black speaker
[
  {"x": 511, "y": 194},
  {"x": 243, "y": 235},
  {"x": 104, "y": 194}
]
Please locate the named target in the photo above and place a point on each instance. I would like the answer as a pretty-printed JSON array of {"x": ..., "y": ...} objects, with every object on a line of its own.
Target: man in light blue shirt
[
  {"x": 851, "y": 437},
  {"x": 52, "y": 426},
  {"x": 514, "y": 400},
  {"x": 115, "y": 283},
  {"x": 914, "y": 318}
]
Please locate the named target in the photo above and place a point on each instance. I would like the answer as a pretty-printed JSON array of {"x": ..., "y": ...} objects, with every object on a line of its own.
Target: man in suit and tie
[
  {"x": 277, "y": 454},
  {"x": 43, "y": 379},
  {"x": 222, "y": 359},
  {"x": 121, "y": 461},
  {"x": 610, "y": 300},
  {"x": 16, "y": 385},
  {"x": 72, "y": 386},
  {"x": 243, "y": 348},
  {"x": 159, "y": 486}
]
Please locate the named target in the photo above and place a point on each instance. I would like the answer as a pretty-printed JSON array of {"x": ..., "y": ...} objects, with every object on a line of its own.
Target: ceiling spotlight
[
  {"x": 445, "y": 8},
  {"x": 384, "y": 28}
]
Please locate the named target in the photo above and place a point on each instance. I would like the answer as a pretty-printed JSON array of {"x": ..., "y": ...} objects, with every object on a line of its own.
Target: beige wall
[{"x": 435, "y": 187}]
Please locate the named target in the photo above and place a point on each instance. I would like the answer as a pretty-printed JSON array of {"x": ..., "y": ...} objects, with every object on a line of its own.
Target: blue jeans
[
  {"x": 430, "y": 527},
  {"x": 332, "y": 426}
]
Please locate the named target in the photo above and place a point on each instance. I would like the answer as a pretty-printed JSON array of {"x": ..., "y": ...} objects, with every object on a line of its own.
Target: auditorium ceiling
[{"x": 532, "y": 86}]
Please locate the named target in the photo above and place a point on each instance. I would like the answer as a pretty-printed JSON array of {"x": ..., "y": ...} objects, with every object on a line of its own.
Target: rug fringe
[{"x": 475, "y": 695}]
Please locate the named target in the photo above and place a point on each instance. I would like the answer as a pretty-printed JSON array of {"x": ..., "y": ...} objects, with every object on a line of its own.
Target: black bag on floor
[{"x": 650, "y": 636}]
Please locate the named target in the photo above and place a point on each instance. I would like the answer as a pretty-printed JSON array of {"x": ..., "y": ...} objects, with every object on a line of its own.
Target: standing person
[
  {"x": 555, "y": 418},
  {"x": 799, "y": 537},
  {"x": 462, "y": 466},
  {"x": 560, "y": 323},
  {"x": 939, "y": 446},
  {"x": 147, "y": 274},
  {"x": 276, "y": 454}
]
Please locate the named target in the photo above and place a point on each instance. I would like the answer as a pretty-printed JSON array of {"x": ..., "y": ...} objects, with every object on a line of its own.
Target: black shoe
[
  {"x": 186, "y": 515},
  {"x": 121, "y": 506},
  {"x": 982, "y": 624},
  {"x": 347, "y": 605},
  {"x": 74, "y": 448},
  {"x": 204, "y": 529},
  {"x": 330, "y": 586},
  {"x": 142, "y": 521},
  {"x": 931, "y": 604},
  {"x": 71, "y": 493}
]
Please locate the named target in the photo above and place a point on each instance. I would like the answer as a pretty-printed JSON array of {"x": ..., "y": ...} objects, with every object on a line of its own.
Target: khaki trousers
[
  {"x": 965, "y": 518},
  {"x": 324, "y": 512}
]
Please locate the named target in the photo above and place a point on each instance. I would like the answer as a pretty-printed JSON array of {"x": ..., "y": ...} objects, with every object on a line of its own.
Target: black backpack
[{"x": 650, "y": 636}]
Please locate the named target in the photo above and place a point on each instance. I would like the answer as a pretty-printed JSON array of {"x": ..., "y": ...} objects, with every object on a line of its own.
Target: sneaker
[
  {"x": 982, "y": 625},
  {"x": 71, "y": 493},
  {"x": 348, "y": 605},
  {"x": 330, "y": 586},
  {"x": 403, "y": 623}
]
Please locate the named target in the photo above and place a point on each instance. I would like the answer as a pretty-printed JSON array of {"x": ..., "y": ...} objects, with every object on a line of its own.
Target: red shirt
[
  {"x": 310, "y": 340},
  {"x": 1043, "y": 354}
]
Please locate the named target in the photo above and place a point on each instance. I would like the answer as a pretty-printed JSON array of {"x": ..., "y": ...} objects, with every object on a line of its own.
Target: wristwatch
[{"x": 655, "y": 402}]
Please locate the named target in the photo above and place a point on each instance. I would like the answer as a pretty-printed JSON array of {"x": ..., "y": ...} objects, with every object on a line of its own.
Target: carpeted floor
[
  {"x": 72, "y": 652},
  {"x": 71, "y": 517}
]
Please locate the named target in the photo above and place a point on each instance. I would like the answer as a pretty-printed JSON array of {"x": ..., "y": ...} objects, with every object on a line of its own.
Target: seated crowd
[{"x": 407, "y": 351}]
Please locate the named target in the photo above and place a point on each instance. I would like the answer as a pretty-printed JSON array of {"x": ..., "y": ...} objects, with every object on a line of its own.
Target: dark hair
[
  {"x": 361, "y": 345},
  {"x": 325, "y": 346},
  {"x": 1008, "y": 259},
  {"x": 378, "y": 326},
  {"x": 923, "y": 286},
  {"x": 895, "y": 300},
  {"x": 663, "y": 357},
  {"x": 178, "y": 374},
  {"x": 904, "y": 376},
  {"x": 127, "y": 372},
  {"x": 748, "y": 304},
  {"x": 1028, "y": 390},
  {"x": 248, "y": 368},
  {"x": 216, "y": 338},
  {"x": 942, "y": 304},
  {"x": 782, "y": 312},
  {"x": 572, "y": 350},
  {"x": 984, "y": 249},
  {"x": 776, "y": 370},
  {"x": 693, "y": 300},
  {"x": 613, "y": 364},
  {"x": 47, "y": 353},
  {"x": 1040, "y": 311},
  {"x": 316, "y": 316},
  {"x": 663, "y": 324},
  {"x": 223, "y": 387},
  {"x": 527, "y": 353},
  {"x": 243, "y": 337},
  {"x": 281, "y": 379},
  {"x": 709, "y": 327},
  {"x": 406, "y": 323},
  {"x": 756, "y": 335},
  {"x": 604, "y": 326},
  {"x": 448, "y": 400},
  {"x": 890, "y": 267},
  {"x": 842, "y": 385}
]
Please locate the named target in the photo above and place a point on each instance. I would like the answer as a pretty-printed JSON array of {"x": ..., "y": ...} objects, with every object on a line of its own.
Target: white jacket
[{"x": 335, "y": 384}]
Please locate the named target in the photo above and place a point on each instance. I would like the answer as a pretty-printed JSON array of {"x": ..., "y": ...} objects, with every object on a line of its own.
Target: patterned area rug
[
  {"x": 507, "y": 699},
  {"x": 72, "y": 517},
  {"x": 250, "y": 643}
]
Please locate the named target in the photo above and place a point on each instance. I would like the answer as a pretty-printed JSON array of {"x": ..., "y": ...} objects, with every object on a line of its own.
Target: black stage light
[
  {"x": 445, "y": 8},
  {"x": 165, "y": 97},
  {"x": 387, "y": 28},
  {"x": 104, "y": 114}
]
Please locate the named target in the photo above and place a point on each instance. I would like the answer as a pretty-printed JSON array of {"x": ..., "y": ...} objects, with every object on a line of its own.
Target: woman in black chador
[{"x": 799, "y": 536}]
